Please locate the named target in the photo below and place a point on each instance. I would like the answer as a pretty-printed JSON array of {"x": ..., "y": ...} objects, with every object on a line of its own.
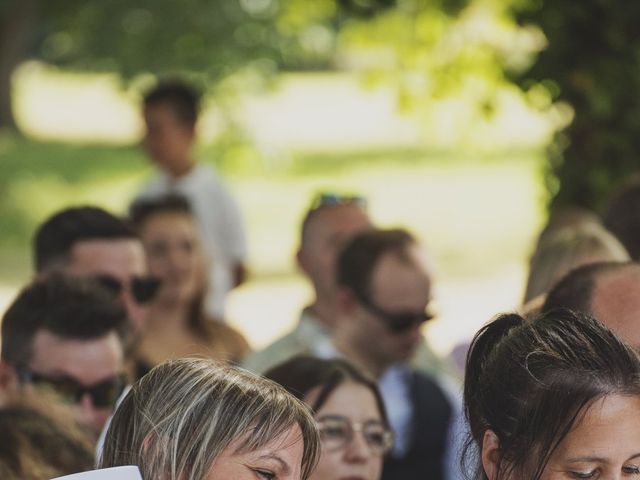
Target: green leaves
[{"x": 592, "y": 58}]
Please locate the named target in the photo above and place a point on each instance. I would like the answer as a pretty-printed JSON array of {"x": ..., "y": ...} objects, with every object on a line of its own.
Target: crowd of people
[{"x": 117, "y": 352}]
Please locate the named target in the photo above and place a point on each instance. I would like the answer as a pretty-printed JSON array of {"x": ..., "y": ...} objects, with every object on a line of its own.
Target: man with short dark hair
[
  {"x": 65, "y": 334},
  {"x": 170, "y": 113},
  {"x": 89, "y": 241},
  {"x": 609, "y": 291},
  {"x": 385, "y": 291}
]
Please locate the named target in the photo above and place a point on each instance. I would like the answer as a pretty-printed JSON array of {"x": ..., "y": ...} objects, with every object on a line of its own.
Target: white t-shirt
[{"x": 219, "y": 220}]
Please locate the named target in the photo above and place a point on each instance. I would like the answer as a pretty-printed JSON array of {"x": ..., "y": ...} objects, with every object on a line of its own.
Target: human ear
[
  {"x": 302, "y": 261},
  {"x": 8, "y": 381},
  {"x": 490, "y": 454},
  {"x": 346, "y": 301}
]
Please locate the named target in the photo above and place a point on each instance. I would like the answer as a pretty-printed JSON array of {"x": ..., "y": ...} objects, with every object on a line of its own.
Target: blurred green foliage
[
  {"x": 426, "y": 49},
  {"x": 592, "y": 63}
]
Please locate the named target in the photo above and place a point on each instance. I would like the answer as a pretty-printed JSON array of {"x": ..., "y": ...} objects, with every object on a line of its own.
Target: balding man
[
  {"x": 331, "y": 220},
  {"x": 610, "y": 291}
]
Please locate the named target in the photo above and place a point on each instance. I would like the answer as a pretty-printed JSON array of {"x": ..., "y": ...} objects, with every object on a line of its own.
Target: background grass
[
  {"x": 476, "y": 212},
  {"x": 477, "y": 218}
]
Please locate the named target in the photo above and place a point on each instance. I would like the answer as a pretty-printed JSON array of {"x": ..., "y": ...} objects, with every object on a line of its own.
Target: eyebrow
[
  {"x": 284, "y": 465},
  {"x": 596, "y": 459}
]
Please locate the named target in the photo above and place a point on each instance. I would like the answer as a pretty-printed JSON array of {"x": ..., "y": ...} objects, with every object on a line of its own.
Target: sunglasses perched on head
[
  {"x": 326, "y": 199},
  {"x": 397, "y": 322},
  {"x": 337, "y": 432},
  {"x": 103, "y": 394},
  {"x": 143, "y": 289}
]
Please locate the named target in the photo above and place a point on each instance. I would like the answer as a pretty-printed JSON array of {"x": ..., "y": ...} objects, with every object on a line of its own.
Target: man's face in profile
[{"x": 329, "y": 229}]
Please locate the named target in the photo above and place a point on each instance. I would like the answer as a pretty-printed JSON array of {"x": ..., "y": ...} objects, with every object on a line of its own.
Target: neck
[
  {"x": 326, "y": 311},
  {"x": 183, "y": 168},
  {"x": 168, "y": 315},
  {"x": 362, "y": 361}
]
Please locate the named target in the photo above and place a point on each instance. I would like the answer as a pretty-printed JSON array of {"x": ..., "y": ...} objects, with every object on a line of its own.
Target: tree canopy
[
  {"x": 592, "y": 64},
  {"x": 588, "y": 60}
]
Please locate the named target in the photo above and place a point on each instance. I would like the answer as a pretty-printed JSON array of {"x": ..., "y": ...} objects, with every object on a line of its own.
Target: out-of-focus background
[{"x": 454, "y": 118}]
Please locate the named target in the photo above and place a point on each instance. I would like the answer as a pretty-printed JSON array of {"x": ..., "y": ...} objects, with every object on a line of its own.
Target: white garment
[{"x": 219, "y": 220}]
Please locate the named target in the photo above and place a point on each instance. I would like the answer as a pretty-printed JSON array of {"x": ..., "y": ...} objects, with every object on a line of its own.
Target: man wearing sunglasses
[
  {"x": 91, "y": 242},
  {"x": 64, "y": 336},
  {"x": 384, "y": 301}
]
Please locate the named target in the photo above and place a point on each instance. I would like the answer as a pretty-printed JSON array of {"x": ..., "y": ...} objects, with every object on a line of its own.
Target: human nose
[
  {"x": 135, "y": 312},
  {"x": 357, "y": 450},
  {"x": 89, "y": 415}
]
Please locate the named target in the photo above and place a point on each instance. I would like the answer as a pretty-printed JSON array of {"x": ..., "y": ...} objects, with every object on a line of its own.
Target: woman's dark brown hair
[
  {"x": 531, "y": 382},
  {"x": 301, "y": 374}
]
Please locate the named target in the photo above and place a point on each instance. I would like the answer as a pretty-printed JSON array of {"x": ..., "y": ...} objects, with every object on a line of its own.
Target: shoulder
[
  {"x": 282, "y": 349},
  {"x": 229, "y": 340},
  {"x": 157, "y": 184},
  {"x": 426, "y": 388}
]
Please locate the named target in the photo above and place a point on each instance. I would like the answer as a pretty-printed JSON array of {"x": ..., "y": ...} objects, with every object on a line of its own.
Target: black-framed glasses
[
  {"x": 330, "y": 199},
  {"x": 336, "y": 432},
  {"x": 103, "y": 394},
  {"x": 143, "y": 289},
  {"x": 399, "y": 322}
]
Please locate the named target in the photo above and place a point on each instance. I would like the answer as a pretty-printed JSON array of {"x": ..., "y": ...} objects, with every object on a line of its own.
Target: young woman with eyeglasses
[{"x": 349, "y": 412}]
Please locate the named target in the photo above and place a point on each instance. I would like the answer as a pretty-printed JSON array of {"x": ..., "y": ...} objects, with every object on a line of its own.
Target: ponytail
[{"x": 482, "y": 346}]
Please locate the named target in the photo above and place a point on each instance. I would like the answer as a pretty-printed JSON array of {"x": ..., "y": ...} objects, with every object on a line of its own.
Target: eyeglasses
[
  {"x": 143, "y": 289},
  {"x": 397, "y": 322},
  {"x": 103, "y": 394},
  {"x": 337, "y": 432},
  {"x": 327, "y": 199}
]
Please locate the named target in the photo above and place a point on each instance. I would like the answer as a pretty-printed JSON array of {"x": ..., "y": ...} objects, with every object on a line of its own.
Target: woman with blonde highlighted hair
[{"x": 197, "y": 419}]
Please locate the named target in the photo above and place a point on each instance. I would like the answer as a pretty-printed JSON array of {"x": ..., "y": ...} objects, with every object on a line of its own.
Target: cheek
[
  {"x": 329, "y": 466},
  {"x": 156, "y": 265}
]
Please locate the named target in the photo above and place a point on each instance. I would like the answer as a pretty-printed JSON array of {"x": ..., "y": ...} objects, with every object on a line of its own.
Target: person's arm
[
  {"x": 239, "y": 274},
  {"x": 231, "y": 232}
]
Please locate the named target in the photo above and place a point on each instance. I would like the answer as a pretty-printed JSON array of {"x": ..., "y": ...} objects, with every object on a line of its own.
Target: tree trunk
[{"x": 16, "y": 33}]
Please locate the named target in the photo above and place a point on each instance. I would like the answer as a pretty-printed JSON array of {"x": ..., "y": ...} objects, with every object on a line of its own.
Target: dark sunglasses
[
  {"x": 326, "y": 199},
  {"x": 143, "y": 289},
  {"x": 336, "y": 432},
  {"x": 103, "y": 394},
  {"x": 397, "y": 322}
]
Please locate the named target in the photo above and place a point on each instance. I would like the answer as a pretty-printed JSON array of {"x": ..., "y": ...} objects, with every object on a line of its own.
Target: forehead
[
  {"x": 167, "y": 220},
  {"x": 336, "y": 220},
  {"x": 401, "y": 279},
  {"x": 160, "y": 113},
  {"x": 86, "y": 361},
  {"x": 121, "y": 258},
  {"x": 609, "y": 430},
  {"x": 349, "y": 399},
  {"x": 616, "y": 303}
]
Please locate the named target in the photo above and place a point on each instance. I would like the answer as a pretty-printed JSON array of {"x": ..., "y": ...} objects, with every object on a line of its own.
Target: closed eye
[
  {"x": 265, "y": 474},
  {"x": 590, "y": 474},
  {"x": 631, "y": 470}
]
